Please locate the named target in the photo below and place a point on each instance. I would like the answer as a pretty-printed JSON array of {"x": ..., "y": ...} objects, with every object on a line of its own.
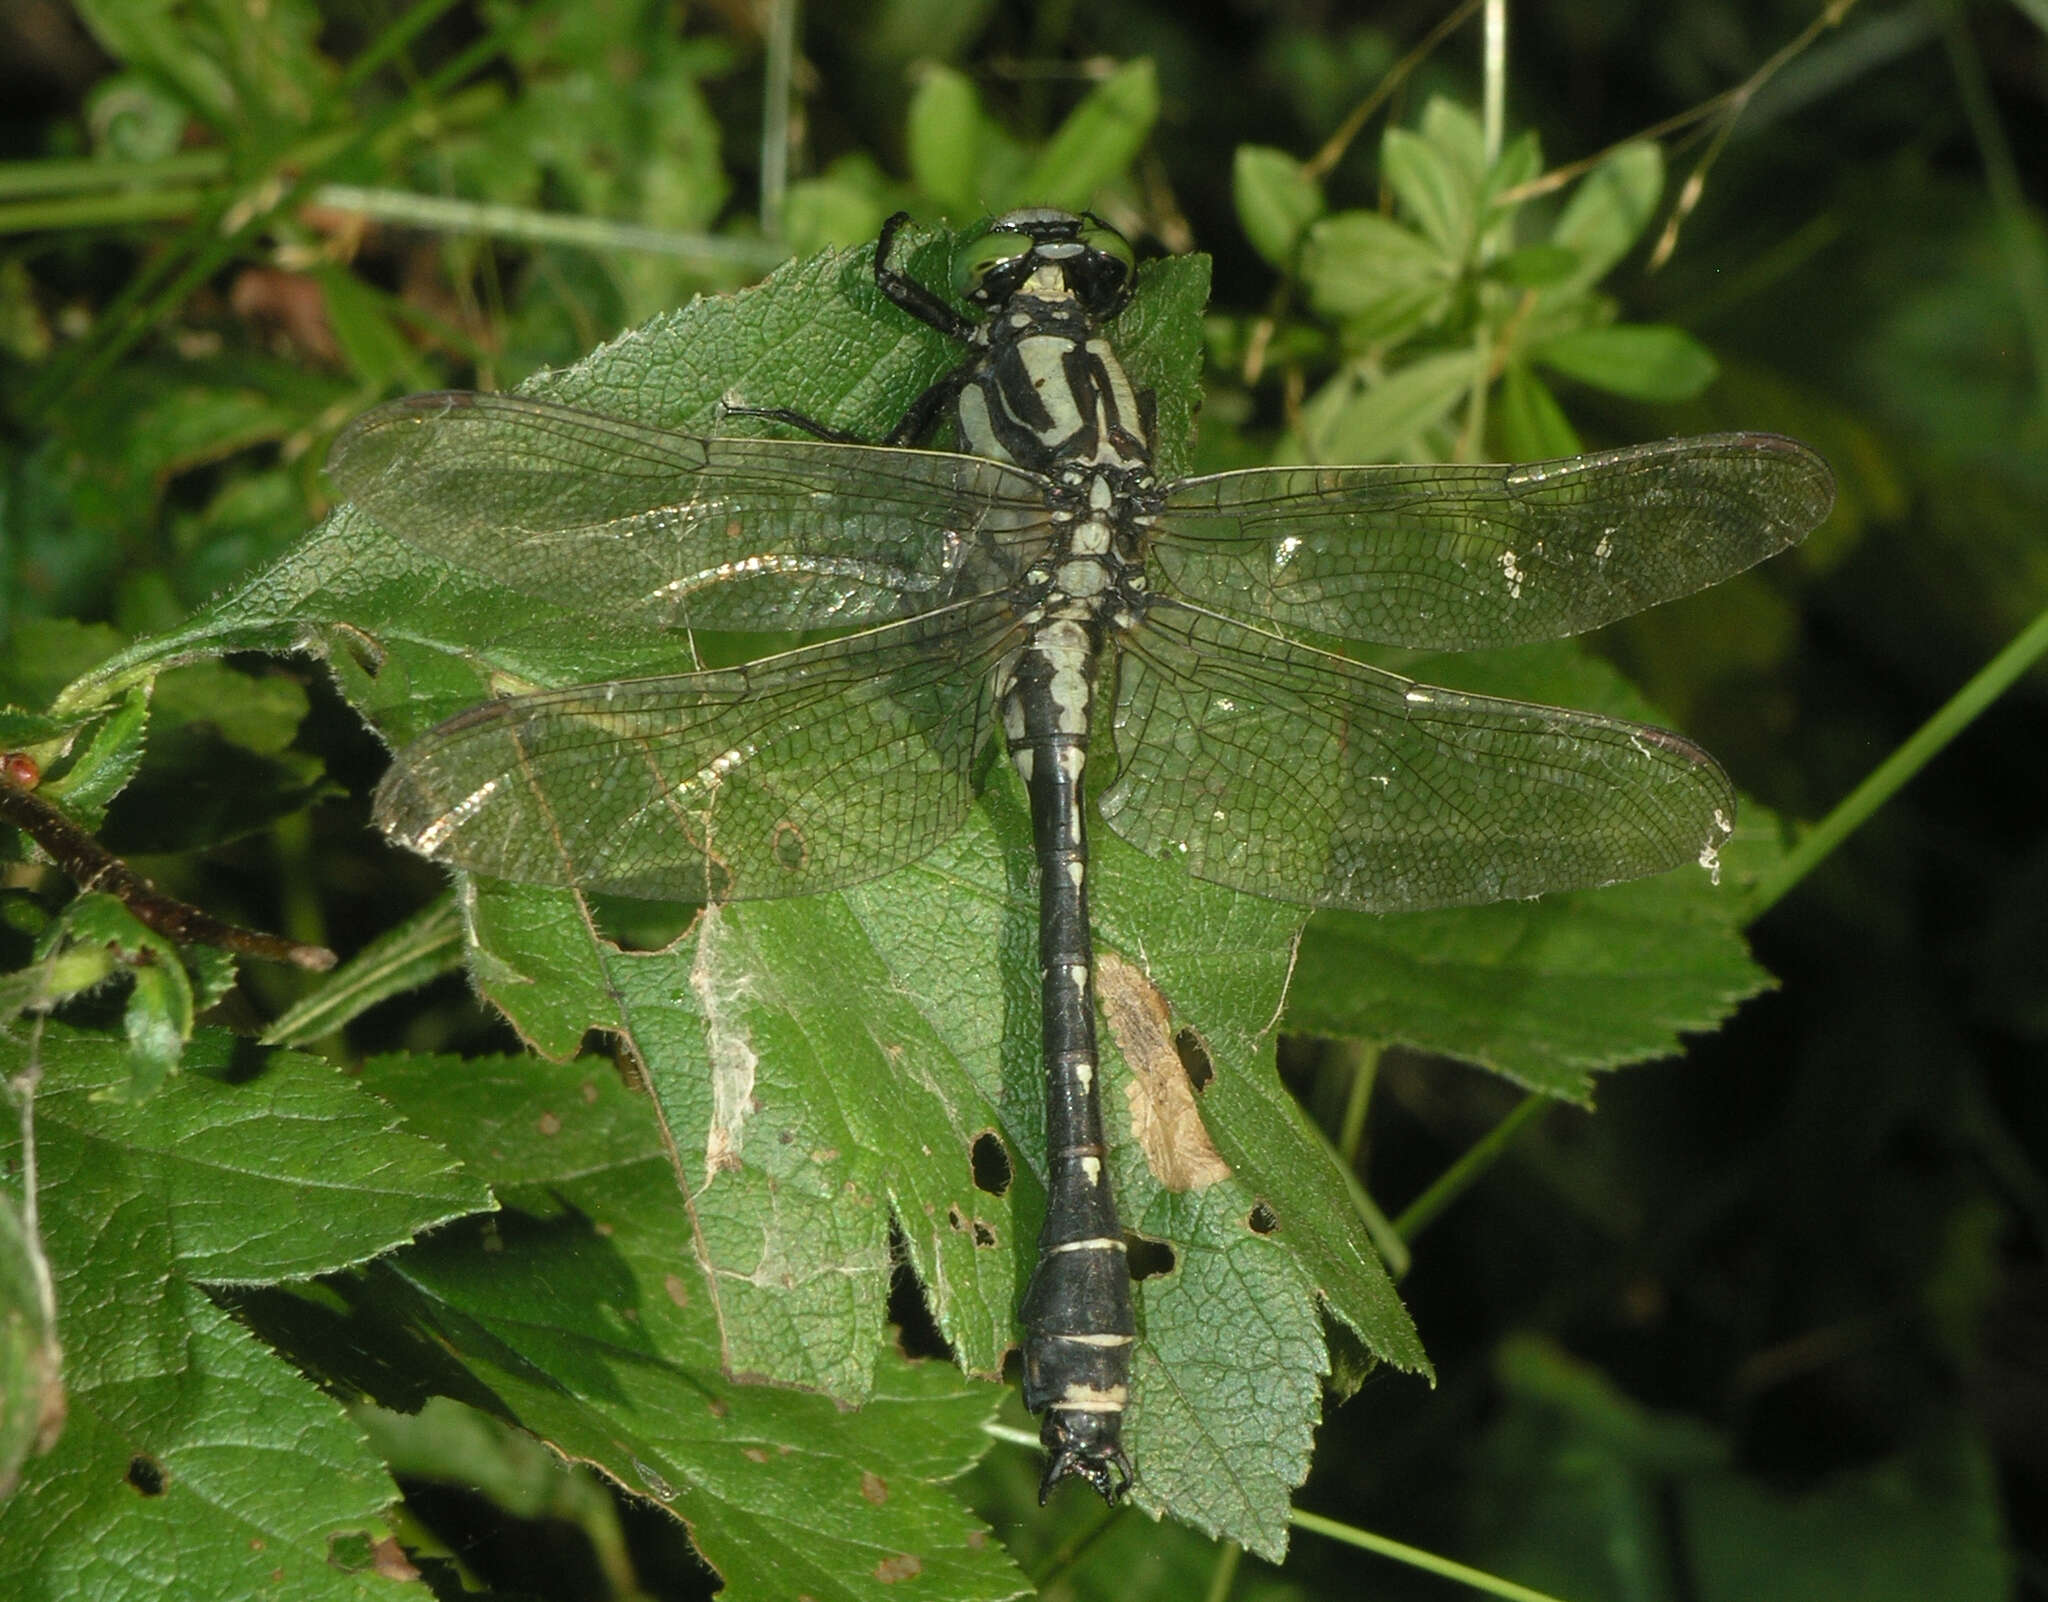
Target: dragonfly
[{"x": 1043, "y": 581}]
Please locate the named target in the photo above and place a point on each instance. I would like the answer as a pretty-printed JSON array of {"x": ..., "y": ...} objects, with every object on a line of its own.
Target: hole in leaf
[
  {"x": 991, "y": 1164},
  {"x": 638, "y": 925},
  {"x": 1148, "y": 1258},
  {"x": 983, "y": 1235},
  {"x": 917, "y": 1332},
  {"x": 351, "y": 1551},
  {"x": 1194, "y": 1058},
  {"x": 146, "y": 1474},
  {"x": 1263, "y": 1220},
  {"x": 955, "y": 1219}
]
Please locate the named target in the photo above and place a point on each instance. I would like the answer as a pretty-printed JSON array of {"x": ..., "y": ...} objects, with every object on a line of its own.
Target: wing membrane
[
  {"x": 680, "y": 530},
  {"x": 1451, "y": 557},
  {"x": 1283, "y": 771},
  {"x": 799, "y": 773}
]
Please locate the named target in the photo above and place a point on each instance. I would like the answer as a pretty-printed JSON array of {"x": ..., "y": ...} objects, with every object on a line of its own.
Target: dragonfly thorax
[{"x": 1052, "y": 394}]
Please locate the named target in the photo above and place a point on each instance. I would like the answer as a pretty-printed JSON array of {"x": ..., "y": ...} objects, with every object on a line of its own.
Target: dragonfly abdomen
[{"x": 1078, "y": 1319}]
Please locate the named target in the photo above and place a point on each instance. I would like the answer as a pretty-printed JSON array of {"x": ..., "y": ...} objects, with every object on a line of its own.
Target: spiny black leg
[
  {"x": 927, "y": 408},
  {"x": 908, "y": 293},
  {"x": 782, "y": 414},
  {"x": 912, "y": 426}
]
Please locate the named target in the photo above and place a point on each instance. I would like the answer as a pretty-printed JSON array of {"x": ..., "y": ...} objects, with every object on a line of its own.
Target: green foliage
[
  {"x": 1570, "y": 1449},
  {"x": 1434, "y": 303},
  {"x": 684, "y": 1290},
  {"x": 190, "y": 1451}
]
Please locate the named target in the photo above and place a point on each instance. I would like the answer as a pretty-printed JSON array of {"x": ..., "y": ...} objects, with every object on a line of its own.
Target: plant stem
[
  {"x": 1416, "y": 1558},
  {"x": 1452, "y": 1183},
  {"x": 1963, "y": 708}
]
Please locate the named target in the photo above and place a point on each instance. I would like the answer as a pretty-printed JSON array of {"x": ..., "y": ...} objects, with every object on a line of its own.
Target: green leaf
[
  {"x": 424, "y": 947},
  {"x": 108, "y": 762},
  {"x": 1533, "y": 427},
  {"x": 1350, "y": 421},
  {"x": 942, "y": 140},
  {"x": 594, "y": 1319},
  {"x": 1544, "y": 993},
  {"x": 375, "y": 348},
  {"x": 210, "y": 1461},
  {"x": 1644, "y": 361},
  {"x": 1609, "y": 210},
  {"x": 1534, "y": 266},
  {"x": 1520, "y": 161},
  {"x": 1383, "y": 280},
  {"x": 1098, "y": 141},
  {"x": 842, "y": 207},
  {"x": 1438, "y": 175},
  {"x": 243, "y": 1135},
  {"x": 190, "y": 1451},
  {"x": 1276, "y": 202},
  {"x": 159, "y": 1012},
  {"x": 1429, "y": 188}
]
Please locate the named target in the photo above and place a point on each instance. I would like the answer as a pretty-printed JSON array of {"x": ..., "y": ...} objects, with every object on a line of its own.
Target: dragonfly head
[{"x": 1094, "y": 261}]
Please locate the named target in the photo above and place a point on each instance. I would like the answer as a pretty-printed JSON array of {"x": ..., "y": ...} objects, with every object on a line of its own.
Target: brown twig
[{"x": 91, "y": 866}]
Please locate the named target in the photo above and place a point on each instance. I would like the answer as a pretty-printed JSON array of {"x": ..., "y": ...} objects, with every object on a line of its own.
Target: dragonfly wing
[
  {"x": 1284, "y": 771},
  {"x": 678, "y": 530},
  {"x": 799, "y": 773},
  {"x": 1451, "y": 557}
]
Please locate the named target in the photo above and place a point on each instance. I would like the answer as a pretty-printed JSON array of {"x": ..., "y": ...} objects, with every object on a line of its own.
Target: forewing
[
  {"x": 652, "y": 526},
  {"x": 799, "y": 773},
  {"x": 1283, "y": 771},
  {"x": 1450, "y": 557}
]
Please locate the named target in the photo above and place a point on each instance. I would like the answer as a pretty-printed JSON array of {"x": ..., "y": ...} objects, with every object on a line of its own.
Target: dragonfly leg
[
  {"x": 912, "y": 296},
  {"x": 794, "y": 419}
]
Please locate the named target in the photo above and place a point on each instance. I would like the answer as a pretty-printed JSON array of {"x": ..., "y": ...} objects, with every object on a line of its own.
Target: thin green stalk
[
  {"x": 1494, "y": 79},
  {"x": 1963, "y": 708},
  {"x": 1324, "y": 160},
  {"x": 1229, "y": 1555},
  {"x": 778, "y": 73},
  {"x": 1362, "y": 1058},
  {"x": 445, "y": 214},
  {"x": 1386, "y": 1239},
  {"x": 112, "y": 210},
  {"x": 393, "y": 40},
  {"x": 1416, "y": 1558},
  {"x": 1455, "y": 1180},
  {"x": 72, "y": 177}
]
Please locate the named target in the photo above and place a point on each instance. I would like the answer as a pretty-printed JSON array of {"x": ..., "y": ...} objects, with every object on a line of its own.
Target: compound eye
[
  {"x": 1103, "y": 274},
  {"x": 979, "y": 258},
  {"x": 1105, "y": 240}
]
